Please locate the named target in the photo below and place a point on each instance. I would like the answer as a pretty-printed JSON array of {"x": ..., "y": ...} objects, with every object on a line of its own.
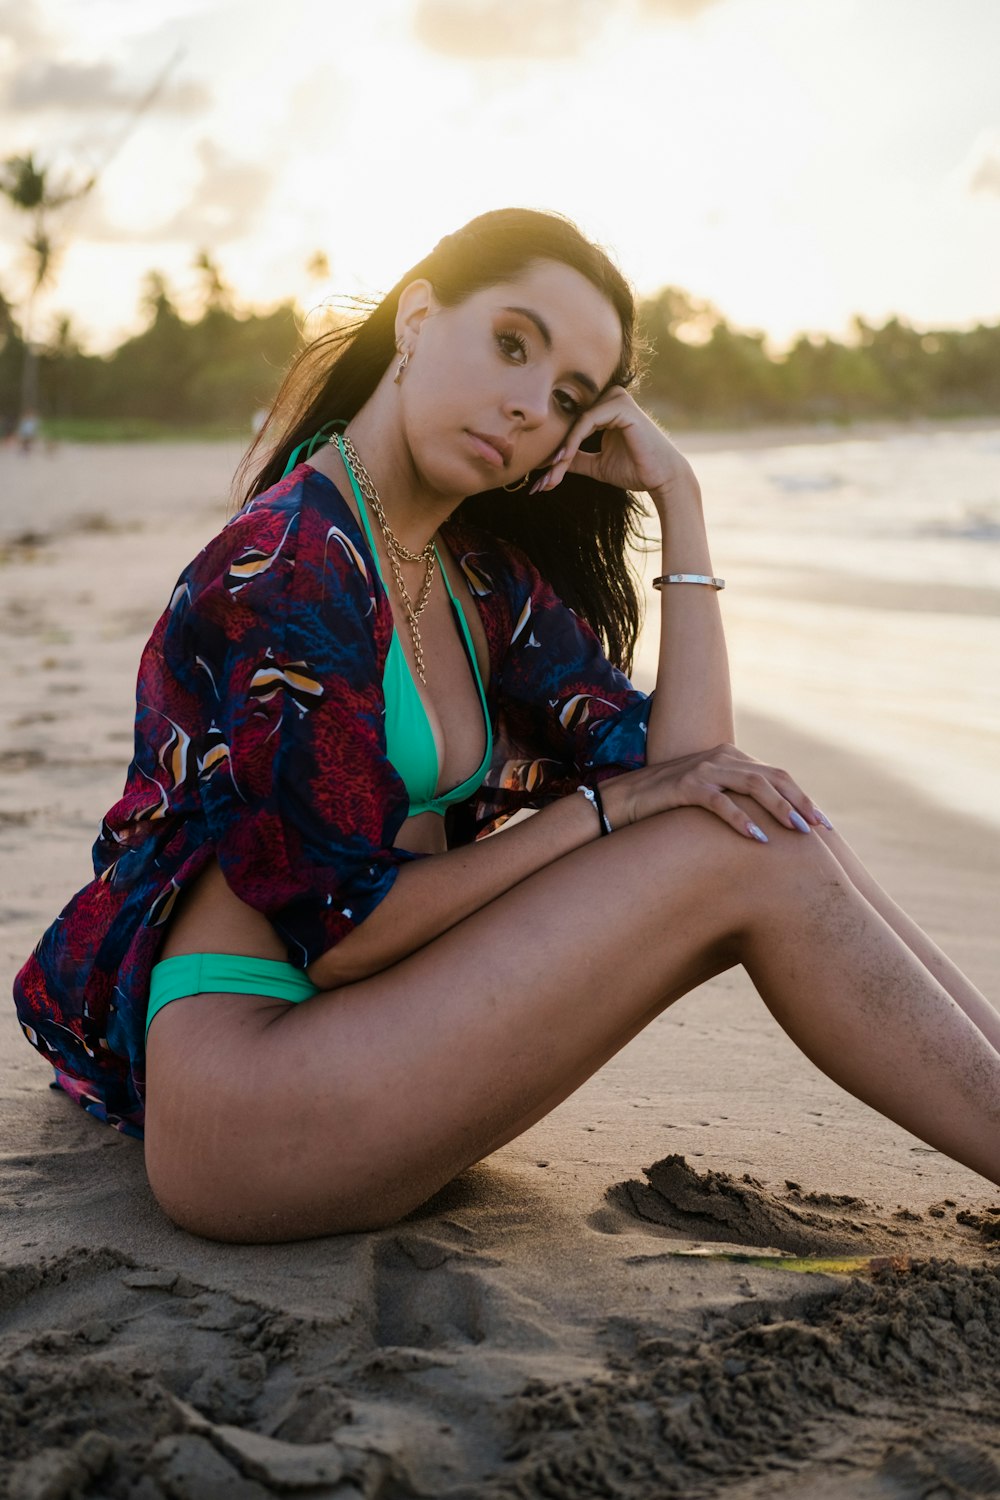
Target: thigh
[{"x": 348, "y": 1110}]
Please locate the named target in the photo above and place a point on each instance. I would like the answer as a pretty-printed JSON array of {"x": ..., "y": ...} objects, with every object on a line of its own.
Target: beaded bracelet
[{"x": 593, "y": 796}]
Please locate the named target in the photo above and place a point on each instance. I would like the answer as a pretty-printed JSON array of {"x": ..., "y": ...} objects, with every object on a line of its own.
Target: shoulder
[{"x": 296, "y": 540}]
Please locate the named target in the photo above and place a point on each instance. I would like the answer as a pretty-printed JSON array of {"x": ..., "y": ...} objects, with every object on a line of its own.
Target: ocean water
[
  {"x": 916, "y": 507},
  {"x": 862, "y": 602}
]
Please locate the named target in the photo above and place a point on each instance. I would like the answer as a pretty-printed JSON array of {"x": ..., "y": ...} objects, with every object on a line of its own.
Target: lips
[{"x": 496, "y": 450}]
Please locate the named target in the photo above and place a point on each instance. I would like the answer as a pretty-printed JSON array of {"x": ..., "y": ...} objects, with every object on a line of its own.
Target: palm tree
[
  {"x": 8, "y": 326},
  {"x": 216, "y": 295},
  {"x": 155, "y": 298},
  {"x": 29, "y": 187}
]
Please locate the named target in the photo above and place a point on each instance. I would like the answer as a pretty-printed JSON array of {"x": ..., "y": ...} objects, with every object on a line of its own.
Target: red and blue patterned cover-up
[{"x": 259, "y": 739}]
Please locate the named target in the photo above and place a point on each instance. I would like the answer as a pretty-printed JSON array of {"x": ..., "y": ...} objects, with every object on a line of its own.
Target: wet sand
[{"x": 614, "y": 1304}]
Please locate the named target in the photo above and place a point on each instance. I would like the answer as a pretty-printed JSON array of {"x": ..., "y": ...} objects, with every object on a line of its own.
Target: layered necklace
[{"x": 394, "y": 548}]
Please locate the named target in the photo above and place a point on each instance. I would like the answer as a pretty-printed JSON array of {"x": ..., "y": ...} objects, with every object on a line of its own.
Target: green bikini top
[{"x": 409, "y": 740}]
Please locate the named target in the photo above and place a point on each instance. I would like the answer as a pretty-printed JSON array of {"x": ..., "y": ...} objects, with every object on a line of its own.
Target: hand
[
  {"x": 703, "y": 780},
  {"x": 635, "y": 454}
]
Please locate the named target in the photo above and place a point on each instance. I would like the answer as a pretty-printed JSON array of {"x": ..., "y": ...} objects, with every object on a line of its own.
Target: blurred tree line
[
  {"x": 215, "y": 368},
  {"x": 703, "y": 371},
  {"x": 224, "y": 363}
]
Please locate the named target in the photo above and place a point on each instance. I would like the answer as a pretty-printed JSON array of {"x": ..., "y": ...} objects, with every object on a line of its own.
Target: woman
[{"x": 295, "y": 969}]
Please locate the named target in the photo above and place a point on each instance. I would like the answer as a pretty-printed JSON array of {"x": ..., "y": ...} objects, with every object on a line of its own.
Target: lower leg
[
  {"x": 859, "y": 1003},
  {"x": 947, "y": 973}
]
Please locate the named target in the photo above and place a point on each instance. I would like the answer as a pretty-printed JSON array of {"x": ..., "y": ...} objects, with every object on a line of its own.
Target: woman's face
[{"x": 509, "y": 369}]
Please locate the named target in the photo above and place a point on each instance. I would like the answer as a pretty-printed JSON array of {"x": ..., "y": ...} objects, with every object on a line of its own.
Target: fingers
[
  {"x": 715, "y": 800},
  {"x": 796, "y": 808},
  {"x": 714, "y": 779},
  {"x": 560, "y": 464},
  {"x": 598, "y": 417},
  {"x": 773, "y": 789},
  {"x": 547, "y": 481}
]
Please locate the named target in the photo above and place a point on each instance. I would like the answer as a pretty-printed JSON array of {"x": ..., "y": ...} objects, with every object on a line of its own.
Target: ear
[{"x": 416, "y": 302}]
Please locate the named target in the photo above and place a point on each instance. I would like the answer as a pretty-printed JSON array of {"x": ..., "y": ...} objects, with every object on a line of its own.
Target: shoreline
[
  {"x": 756, "y": 434},
  {"x": 795, "y": 434}
]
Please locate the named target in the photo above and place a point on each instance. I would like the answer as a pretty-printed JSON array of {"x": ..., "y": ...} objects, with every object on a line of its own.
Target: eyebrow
[{"x": 543, "y": 329}]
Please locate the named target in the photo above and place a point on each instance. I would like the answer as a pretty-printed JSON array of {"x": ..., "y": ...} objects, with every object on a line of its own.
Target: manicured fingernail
[
  {"x": 757, "y": 833},
  {"x": 798, "y": 821},
  {"x": 559, "y": 455},
  {"x": 536, "y": 486},
  {"x": 823, "y": 819}
]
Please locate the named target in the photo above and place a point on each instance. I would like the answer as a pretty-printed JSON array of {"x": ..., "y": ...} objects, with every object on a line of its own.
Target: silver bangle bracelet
[{"x": 715, "y": 583}]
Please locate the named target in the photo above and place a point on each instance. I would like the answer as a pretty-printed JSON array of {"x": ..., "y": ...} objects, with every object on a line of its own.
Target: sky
[{"x": 793, "y": 162}]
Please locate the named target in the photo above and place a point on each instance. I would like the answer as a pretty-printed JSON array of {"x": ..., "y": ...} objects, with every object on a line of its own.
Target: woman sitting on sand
[{"x": 391, "y": 648}]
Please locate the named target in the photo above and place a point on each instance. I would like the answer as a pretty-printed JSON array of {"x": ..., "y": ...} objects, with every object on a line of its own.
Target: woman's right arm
[{"x": 432, "y": 895}]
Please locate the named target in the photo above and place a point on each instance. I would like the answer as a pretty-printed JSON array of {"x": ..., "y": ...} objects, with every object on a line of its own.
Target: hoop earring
[
  {"x": 401, "y": 367},
  {"x": 510, "y": 488}
]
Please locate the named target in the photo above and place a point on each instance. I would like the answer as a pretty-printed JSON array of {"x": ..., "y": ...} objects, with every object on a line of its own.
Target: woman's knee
[
  {"x": 740, "y": 876},
  {"x": 721, "y": 847}
]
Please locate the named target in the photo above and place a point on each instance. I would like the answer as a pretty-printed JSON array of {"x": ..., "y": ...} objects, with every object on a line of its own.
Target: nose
[{"x": 528, "y": 401}]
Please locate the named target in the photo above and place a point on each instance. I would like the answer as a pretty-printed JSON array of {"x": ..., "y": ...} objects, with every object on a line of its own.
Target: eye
[
  {"x": 508, "y": 337},
  {"x": 513, "y": 343}
]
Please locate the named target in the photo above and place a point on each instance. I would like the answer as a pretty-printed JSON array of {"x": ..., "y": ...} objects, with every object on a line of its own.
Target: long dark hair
[{"x": 577, "y": 535}]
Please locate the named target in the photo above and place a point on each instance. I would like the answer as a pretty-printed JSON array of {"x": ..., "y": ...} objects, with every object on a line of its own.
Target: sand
[{"x": 610, "y": 1306}]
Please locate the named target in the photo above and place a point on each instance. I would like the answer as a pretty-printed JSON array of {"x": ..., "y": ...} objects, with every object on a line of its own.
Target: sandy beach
[{"x": 611, "y": 1305}]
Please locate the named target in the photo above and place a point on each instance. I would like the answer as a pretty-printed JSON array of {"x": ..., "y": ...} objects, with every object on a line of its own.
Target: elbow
[
  {"x": 345, "y": 963},
  {"x": 329, "y": 972}
]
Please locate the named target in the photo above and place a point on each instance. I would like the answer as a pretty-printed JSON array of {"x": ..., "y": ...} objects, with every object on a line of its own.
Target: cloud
[
  {"x": 226, "y": 203},
  {"x": 982, "y": 169},
  {"x": 36, "y": 75},
  {"x": 20, "y": 25},
  {"x": 488, "y": 29},
  {"x": 80, "y": 87},
  {"x": 224, "y": 206}
]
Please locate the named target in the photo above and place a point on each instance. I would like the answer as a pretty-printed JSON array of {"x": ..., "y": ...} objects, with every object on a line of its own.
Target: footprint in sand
[{"x": 110, "y": 1372}]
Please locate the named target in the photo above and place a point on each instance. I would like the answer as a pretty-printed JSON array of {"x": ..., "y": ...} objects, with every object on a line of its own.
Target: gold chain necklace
[{"x": 395, "y": 549}]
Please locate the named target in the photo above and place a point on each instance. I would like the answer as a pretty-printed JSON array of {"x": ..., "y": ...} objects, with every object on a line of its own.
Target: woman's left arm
[{"x": 692, "y": 707}]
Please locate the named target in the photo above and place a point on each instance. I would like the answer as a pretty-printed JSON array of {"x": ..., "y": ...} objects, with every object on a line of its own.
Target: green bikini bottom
[{"x": 227, "y": 974}]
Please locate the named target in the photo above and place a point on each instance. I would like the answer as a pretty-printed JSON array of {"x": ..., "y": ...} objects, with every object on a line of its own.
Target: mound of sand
[
  {"x": 715, "y": 1206},
  {"x": 883, "y": 1388}
]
